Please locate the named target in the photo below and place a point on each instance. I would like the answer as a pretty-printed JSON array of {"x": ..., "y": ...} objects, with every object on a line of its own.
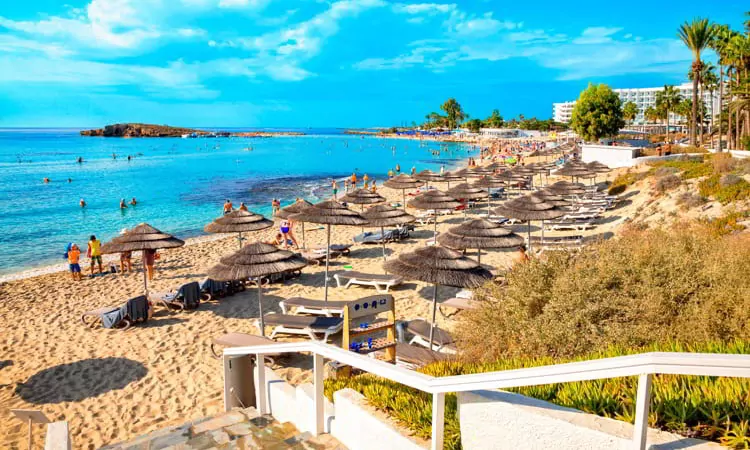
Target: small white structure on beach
[{"x": 609, "y": 155}]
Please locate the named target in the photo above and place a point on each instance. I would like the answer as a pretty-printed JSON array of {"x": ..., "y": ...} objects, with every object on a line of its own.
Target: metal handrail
[{"x": 643, "y": 365}]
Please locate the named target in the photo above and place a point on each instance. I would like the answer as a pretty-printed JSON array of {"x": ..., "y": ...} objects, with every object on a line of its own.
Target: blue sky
[{"x": 326, "y": 63}]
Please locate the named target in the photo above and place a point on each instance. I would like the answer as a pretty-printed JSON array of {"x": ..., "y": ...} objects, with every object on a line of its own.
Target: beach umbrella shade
[
  {"x": 479, "y": 234},
  {"x": 363, "y": 197},
  {"x": 488, "y": 183},
  {"x": 435, "y": 200},
  {"x": 466, "y": 193},
  {"x": 239, "y": 222},
  {"x": 529, "y": 208},
  {"x": 329, "y": 213},
  {"x": 596, "y": 166},
  {"x": 255, "y": 261},
  {"x": 294, "y": 208},
  {"x": 566, "y": 188},
  {"x": 575, "y": 171},
  {"x": 552, "y": 198},
  {"x": 142, "y": 238},
  {"x": 448, "y": 177},
  {"x": 438, "y": 266},
  {"x": 403, "y": 182},
  {"x": 382, "y": 216}
]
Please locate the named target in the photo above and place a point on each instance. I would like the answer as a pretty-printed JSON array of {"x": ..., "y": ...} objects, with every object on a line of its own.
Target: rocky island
[{"x": 133, "y": 130}]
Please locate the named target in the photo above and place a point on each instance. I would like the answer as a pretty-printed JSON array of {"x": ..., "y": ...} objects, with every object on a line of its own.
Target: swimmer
[
  {"x": 45, "y": 180},
  {"x": 133, "y": 201},
  {"x": 82, "y": 202},
  {"x": 122, "y": 204}
]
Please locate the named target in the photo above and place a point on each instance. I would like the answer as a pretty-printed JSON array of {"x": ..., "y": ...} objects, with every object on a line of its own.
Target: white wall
[
  {"x": 502, "y": 420},
  {"x": 611, "y": 156}
]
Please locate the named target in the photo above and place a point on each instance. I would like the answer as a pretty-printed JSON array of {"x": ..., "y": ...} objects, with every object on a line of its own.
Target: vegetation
[
  {"x": 629, "y": 111},
  {"x": 727, "y": 224},
  {"x": 725, "y": 189},
  {"x": 667, "y": 102},
  {"x": 623, "y": 181},
  {"x": 706, "y": 407},
  {"x": 597, "y": 113}
]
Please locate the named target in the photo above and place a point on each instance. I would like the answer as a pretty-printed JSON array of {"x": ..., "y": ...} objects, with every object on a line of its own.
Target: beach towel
[
  {"x": 213, "y": 287},
  {"x": 135, "y": 309},
  {"x": 189, "y": 295}
]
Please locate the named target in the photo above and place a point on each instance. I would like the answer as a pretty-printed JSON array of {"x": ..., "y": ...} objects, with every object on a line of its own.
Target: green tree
[
  {"x": 667, "y": 101},
  {"x": 474, "y": 125},
  {"x": 696, "y": 36},
  {"x": 630, "y": 111},
  {"x": 597, "y": 113},
  {"x": 495, "y": 120},
  {"x": 651, "y": 114},
  {"x": 455, "y": 114},
  {"x": 720, "y": 45}
]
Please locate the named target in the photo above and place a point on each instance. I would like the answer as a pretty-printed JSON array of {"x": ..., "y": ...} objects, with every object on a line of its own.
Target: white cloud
[
  {"x": 12, "y": 44},
  {"x": 596, "y": 35},
  {"x": 423, "y": 8},
  {"x": 482, "y": 26}
]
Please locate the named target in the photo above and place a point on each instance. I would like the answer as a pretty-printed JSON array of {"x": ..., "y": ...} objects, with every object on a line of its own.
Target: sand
[{"x": 112, "y": 385}]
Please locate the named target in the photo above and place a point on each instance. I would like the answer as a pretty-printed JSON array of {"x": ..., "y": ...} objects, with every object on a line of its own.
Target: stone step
[{"x": 236, "y": 429}]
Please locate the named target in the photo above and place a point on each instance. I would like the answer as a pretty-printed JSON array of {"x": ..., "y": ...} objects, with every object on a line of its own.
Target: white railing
[{"x": 643, "y": 365}]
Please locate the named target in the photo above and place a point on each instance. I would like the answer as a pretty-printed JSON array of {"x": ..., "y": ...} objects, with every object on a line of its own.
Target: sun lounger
[
  {"x": 380, "y": 282},
  {"x": 369, "y": 237},
  {"x": 569, "y": 224},
  {"x": 413, "y": 357},
  {"x": 240, "y": 340},
  {"x": 330, "y": 308},
  {"x": 305, "y": 325},
  {"x": 442, "y": 342},
  {"x": 188, "y": 296},
  {"x": 335, "y": 249},
  {"x": 213, "y": 289},
  {"x": 123, "y": 317}
]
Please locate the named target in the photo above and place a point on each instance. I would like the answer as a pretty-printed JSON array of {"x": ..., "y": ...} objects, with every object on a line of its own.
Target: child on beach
[
  {"x": 227, "y": 207},
  {"x": 125, "y": 262},
  {"x": 94, "y": 252},
  {"x": 73, "y": 254}
]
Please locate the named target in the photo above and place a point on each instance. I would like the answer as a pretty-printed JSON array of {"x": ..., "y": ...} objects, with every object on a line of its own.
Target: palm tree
[
  {"x": 667, "y": 101},
  {"x": 696, "y": 36},
  {"x": 629, "y": 111},
  {"x": 719, "y": 44},
  {"x": 651, "y": 114},
  {"x": 454, "y": 112},
  {"x": 705, "y": 76}
]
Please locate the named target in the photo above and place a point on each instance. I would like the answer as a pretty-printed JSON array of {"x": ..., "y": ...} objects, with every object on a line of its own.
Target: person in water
[
  {"x": 73, "y": 254},
  {"x": 243, "y": 206},
  {"x": 45, "y": 180},
  {"x": 374, "y": 188},
  {"x": 82, "y": 202},
  {"x": 133, "y": 201},
  {"x": 70, "y": 180},
  {"x": 398, "y": 168},
  {"x": 275, "y": 206},
  {"x": 335, "y": 188},
  {"x": 122, "y": 204},
  {"x": 227, "y": 207},
  {"x": 94, "y": 253}
]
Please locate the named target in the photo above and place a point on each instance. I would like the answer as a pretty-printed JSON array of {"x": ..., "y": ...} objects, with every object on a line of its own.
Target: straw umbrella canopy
[
  {"x": 575, "y": 171},
  {"x": 329, "y": 213},
  {"x": 294, "y": 208},
  {"x": 143, "y": 237},
  {"x": 479, "y": 234},
  {"x": 254, "y": 261},
  {"x": 363, "y": 197},
  {"x": 489, "y": 183},
  {"x": 528, "y": 208},
  {"x": 497, "y": 165},
  {"x": 238, "y": 221},
  {"x": 466, "y": 193},
  {"x": 552, "y": 198},
  {"x": 403, "y": 182},
  {"x": 448, "y": 177},
  {"x": 438, "y": 266},
  {"x": 596, "y": 166},
  {"x": 566, "y": 188},
  {"x": 434, "y": 199},
  {"x": 386, "y": 216}
]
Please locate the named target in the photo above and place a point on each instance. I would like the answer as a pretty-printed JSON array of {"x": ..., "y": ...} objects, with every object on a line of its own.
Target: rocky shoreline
[{"x": 133, "y": 130}]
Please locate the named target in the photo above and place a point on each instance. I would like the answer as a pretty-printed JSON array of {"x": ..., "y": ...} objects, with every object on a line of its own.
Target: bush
[
  {"x": 722, "y": 162},
  {"x": 678, "y": 149},
  {"x": 621, "y": 182},
  {"x": 729, "y": 180},
  {"x": 647, "y": 286},
  {"x": 707, "y": 407},
  {"x": 689, "y": 200},
  {"x": 724, "y": 194},
  {"x": 667, "y": 183},
  {"x": 688, "y": 167},
  {"x": 726, "y": 224}
]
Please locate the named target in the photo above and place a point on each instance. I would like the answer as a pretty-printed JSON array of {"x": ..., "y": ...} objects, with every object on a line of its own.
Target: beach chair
[
  {"x": 188, "y": 296},
  {"x": 443, "y": 341},
  {"x": 315, "y": 257},
  {"x": 122, "y": 317},
  {"x": 304, "y": 325},
  {"x": 569, "y": 224},
  {"x": 380, "y": 282},
  {"x": 240, "y": 340},
  {"x": 369, "y": 237},
  {"x": 212, "y": 289},
  {"x": 300, "y": 305},
  {"x": 413, "y": 357}
]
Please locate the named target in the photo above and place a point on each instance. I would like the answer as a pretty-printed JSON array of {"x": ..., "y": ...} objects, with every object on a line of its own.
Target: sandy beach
[{"x": 111, "y": 385}]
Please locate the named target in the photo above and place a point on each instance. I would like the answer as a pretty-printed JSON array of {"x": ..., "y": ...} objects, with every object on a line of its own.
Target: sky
[{"x": 338, "y": 63}]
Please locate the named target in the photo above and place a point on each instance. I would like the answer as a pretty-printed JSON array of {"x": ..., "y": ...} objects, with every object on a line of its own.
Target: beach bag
[{"x": 112, "y": 268}]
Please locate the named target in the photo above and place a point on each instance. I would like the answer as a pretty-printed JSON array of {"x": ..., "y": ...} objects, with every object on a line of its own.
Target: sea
[{"x": 180, "y": 184}]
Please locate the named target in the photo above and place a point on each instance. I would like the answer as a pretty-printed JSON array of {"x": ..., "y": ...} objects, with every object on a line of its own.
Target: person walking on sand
[
  {"x": 243, "y": 206},
  {"x": 275, "y": 206},
  {"x": 126, "y": 264},
  {"x": 286, "y": 230},
  {"x": 94, "y": 253},
  {"x": 73, "y": 254},
  {"x": 149, "y": 256},
  {"x": 335, "y": 188},
  {"x": 374, "y": 188},
  {"x": 227, "y": 207},
  {"x": 354, "y": 181},
  {"x": 346, "y": 185},
  {"x": 366, "y": 179}
]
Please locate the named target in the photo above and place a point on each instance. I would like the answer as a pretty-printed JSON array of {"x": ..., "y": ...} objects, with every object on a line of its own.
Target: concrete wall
[
  {"x": 58, "y": 436},
  {"x": 502, "y": 420},
  {"x": 610, "y": 156}
]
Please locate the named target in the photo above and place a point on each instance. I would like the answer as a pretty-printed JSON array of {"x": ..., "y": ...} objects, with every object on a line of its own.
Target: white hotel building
[{"x": 643, "y": 98}]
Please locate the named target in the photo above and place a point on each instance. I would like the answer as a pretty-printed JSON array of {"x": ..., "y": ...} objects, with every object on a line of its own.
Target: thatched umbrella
[
  {"x": 566, "y": 188},
  {"x": 363, "y": 197},
  {"x": 386, "y": 216},
  {"x": 575, "y": 171},
  {"x": 403, "y": 182},
  {"x": 465, "y": 192},
  {"x": 427, "y": 175},
  {"x": 489, "y": 183},
  {"x": 525, "y": 172},
  {"x": 329, "y": 213},
  {"x": 448, "y": 177},
  {"x": 436, "y": 200},
  {"x": 294, "y": 208},
  {"x": 552, "y": 198},
  {"x": 596, "y": 166},
  {"x": 238, "y": 221},
  {"x": 255, "y": 261},
  {"x": 143, "y": 237},
  {"x": 479, "y": 234},
  {"x": 439, "y": 266},
  {"x": 530, "y": 208}
]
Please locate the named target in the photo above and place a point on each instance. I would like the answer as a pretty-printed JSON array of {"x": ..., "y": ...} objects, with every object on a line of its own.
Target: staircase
[{"x": 237, "y": 429}]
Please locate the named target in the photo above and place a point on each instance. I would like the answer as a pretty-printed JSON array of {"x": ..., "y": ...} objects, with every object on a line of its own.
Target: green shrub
[
  {"x": 727, "y": 224},
  {"x": 622, "y": 182},
  {"x": 722, "y": 192},
  {"x": 667, "y": 183},
  {"x": 688, "y": 167},
  {"x": 690, "y": 200},
  {"x": 708, "y": 407}
]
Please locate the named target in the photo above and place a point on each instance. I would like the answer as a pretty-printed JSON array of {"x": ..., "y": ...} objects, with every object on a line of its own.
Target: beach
[{"x": 111, "y": 385}]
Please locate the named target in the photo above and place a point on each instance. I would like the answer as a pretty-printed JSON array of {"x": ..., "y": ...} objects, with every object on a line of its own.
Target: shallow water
[{"x": 180, "y": 184}]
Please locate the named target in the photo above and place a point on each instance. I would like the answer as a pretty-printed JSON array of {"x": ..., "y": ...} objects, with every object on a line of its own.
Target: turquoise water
[{"x": 180, "y": 184}]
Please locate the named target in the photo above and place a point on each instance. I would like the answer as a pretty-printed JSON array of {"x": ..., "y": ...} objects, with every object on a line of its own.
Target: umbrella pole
[
  {"x": 403, "y": 199},
  {"x": 260, "y": 308},
  {"x": 382, "y": 239},
  {"x": 328, "y": 259},
  {"x": 303, "y": 234},
  {"x": 145, "y": 273},
  {"x": 434, "y": 313},
  {"x": 239, "y": 238},
  {"x": 488, "y": 202},
  {"x": 528, "y": 223},
  {"x": 479, "y": 256}
]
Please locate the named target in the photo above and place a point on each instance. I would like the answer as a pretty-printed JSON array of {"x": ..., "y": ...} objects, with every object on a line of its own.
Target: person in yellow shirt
[
  {"x": 354, "y": 181},
  {"x": 74, "y": 255},
  {"x": 94, "y": 252},
  {"x": 374, "y": 188}
]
